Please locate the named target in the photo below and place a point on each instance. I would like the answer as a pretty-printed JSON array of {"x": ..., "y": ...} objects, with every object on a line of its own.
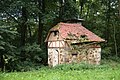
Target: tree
[
  {"x": 41, "y": 4},
  {"x": 23, "y": 23},
  {"x": 23, "y": 29}
]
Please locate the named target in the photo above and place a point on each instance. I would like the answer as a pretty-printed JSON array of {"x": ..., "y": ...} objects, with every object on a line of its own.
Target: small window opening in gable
[{"x": 55, "y": 33}]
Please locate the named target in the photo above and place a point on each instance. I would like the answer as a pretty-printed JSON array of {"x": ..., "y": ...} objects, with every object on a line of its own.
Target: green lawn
[{"x": 106, "y": 71}]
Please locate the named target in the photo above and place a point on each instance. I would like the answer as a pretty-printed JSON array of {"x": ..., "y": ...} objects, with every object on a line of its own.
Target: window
[
  {"x": 55, "y": 33},
  {"x": 74, "y": 54}
]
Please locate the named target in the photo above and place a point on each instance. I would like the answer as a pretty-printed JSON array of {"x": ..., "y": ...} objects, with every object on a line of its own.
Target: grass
[{"x": 109, "y": 70}]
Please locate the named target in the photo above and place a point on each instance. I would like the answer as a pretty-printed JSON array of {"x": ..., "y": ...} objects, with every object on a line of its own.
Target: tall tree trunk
[
  {"x": 81, "y": 7},
  {"x": 40, "y": 27},
  {"x": 115, "y": 42},
  {"x": 61, "y": 7},
  {"x": 23, "y": 31},
  {"x": 23, "y": 26},
  {"x": 41, "y": 4},
  {"x": 2, "y": 62},
  {"x": 107, "y": 31}
]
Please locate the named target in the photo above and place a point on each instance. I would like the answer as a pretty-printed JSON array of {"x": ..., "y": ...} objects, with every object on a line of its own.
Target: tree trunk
[
  {"x": 2, "y": 62},
  {"x": 81, "y": 7},
  {"x": 107, "y": 31},
  {"x": 40, "y": 27},
  {"x": 41, "y": 4},
  {"x": 23, "y": 26},
  {"x": 115, "y": 42},
  {"x": 61, "y": 8}
]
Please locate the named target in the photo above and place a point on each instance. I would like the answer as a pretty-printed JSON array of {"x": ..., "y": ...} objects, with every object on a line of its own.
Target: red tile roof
[{"x": 76, "y": 29}]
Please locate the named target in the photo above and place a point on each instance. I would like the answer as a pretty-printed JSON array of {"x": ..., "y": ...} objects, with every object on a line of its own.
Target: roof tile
[{"x": 77, "y": 29}]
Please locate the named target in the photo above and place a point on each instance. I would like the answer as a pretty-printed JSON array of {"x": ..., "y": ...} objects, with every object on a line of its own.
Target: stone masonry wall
[
  {"x": 88, "y": 55},
  {"x": 91, "y": 56}
]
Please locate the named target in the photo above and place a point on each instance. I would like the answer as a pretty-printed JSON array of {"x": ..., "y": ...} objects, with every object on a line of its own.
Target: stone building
[{"x": 71, "y": 42}]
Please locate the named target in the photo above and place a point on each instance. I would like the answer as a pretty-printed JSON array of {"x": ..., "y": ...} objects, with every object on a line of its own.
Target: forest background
[{"x": 24, "y": 25}]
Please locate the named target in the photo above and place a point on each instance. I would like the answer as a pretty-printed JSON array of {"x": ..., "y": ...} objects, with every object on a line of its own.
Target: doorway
[{"x": 55, "y": 56}]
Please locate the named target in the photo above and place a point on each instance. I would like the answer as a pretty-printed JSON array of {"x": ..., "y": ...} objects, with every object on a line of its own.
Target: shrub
[{"x": 80, "y": 66}]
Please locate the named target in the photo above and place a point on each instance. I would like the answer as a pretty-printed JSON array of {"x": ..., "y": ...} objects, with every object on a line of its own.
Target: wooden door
[{"x": 55, "y": 56}]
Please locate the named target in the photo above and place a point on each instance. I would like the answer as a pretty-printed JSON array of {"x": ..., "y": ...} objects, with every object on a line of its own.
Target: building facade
[{"x": 72, "y": 43}]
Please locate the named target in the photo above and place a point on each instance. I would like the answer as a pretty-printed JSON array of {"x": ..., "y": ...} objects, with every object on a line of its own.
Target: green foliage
[
  {"x": 31, "y": 58},
  {"x": 79, "y": 66},
  {"x": 104, "y": 71},
  {"x": 70, "y": 10},
  {"x": 106, "y": 51},
  {"x": 6, "y": 46},
  {"x": 33, "y": 52},
  {"x": 100, "y": 17}
]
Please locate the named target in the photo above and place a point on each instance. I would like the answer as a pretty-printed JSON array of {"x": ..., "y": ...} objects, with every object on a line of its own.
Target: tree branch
[
  {"x": 11, "y": 16},
  {"x": 1, "y": 2}
]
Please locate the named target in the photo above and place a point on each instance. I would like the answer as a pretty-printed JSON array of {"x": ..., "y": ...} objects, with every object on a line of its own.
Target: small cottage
[{"x": 71, "y": 42}]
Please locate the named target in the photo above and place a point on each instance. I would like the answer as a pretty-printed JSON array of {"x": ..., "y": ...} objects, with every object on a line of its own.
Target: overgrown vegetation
[
  {"x": 24, "y": 25},
  {"x": 109, "y": 71}
]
